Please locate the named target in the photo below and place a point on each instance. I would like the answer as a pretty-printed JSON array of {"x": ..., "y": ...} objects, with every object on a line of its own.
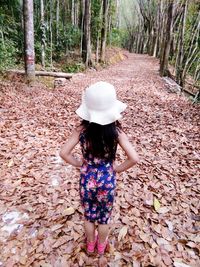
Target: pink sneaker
[
  {"x": 91, "y": 245},
  {"x": 101, "y": 247}
]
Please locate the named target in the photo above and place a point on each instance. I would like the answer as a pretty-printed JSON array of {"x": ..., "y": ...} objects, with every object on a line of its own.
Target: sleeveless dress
[{"x": 97, "y": 186}]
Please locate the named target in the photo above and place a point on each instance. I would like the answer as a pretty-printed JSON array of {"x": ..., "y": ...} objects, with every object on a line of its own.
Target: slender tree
[
  {"x": 104, "y": 29},
  {"x": 29, "y": 40},
  {"x": 51, "y": 33},
  {"x": 180, "y": 52},
  {"x": 43, "y": 37},
  {"x": 98, "y": 32},
  {"x": 73, "y": 12},
  {"x": 86, "y": 41},
  {"x": 164, "y": 57},
  {"x": 57, "y": 20}
]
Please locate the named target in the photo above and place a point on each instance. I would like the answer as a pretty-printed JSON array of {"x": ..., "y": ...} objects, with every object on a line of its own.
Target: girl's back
[{"x": 99, "y": 142}]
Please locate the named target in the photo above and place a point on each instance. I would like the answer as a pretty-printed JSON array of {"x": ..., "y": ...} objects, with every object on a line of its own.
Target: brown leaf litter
[{"x": 155, "y": 221}]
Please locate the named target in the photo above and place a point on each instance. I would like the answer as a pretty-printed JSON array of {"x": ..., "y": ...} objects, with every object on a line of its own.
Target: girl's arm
[
  {"x": 67, "y": 148},
  {"x": 132, "y": 156}
]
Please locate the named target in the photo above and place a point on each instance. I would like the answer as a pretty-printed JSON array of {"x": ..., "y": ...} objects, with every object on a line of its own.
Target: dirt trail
[{"x": 155, "y": 220}]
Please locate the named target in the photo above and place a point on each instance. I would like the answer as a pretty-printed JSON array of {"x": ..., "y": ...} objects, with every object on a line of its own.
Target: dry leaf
[
  {"x": 103, "y": 261},
  {"x": 156, "y": 204},
  {"x": 161, "y": 241},
  {"x": 68, "y": 211},
  {"x": 122, "y": 233},
  {"x": 10, "y": 163},
  {"x": 35, "y": 122},
  {"x": 145, "y": 237},
  {"x": 62, "y": 240},
  {"x": 149, "y": 199},
  {"x": 163, "y": 210},
  {"x": 167, "y": 260},
  {"x": 181, "y": 264},
  {"x": 56, "y": 227},
  {"x": 46, "y": 265}
]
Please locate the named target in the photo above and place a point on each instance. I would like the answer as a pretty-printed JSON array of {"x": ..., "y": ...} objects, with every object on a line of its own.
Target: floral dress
[{"x": 97, "y": 186}]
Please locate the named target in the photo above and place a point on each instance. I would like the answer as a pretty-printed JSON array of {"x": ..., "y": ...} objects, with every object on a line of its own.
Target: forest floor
[{"x": 155, "y": 221}]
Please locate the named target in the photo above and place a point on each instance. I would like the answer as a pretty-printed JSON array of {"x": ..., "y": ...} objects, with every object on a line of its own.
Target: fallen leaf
[
  {"x": 56, "y": 227},
  {"x": 68, "y": 211},
  {"x": 103, "y": 261},
  {"x": 163, "y": 210},
  {"x": 10, "y": 163},
  {"x": 167, "y": 260},
  {"x": 181, "y": 264},
  {"x": 145, "y": 237},
  {"x": 33, "y": 127},
  {"x": 156, "y": 204},
  {"x": 148, "y": 200},
  {"x": 122, "y": 233},
  {"x": 62, "y": 240},
  {"x": 161, "y": 241}
]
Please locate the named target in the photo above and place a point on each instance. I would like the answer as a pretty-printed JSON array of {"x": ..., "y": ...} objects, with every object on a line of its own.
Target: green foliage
[
  {"x": 95, "y": 20},
  {"x": 11, "y": 35},
  {"x": 8, "y": 53},
  {"x": 69, "y": 38},
  {"x": 73, "y": 67},
  {"x": 117, "y": 37},
  {"x": 59, "y": 36},
  {"x": 189, "y": 42}
]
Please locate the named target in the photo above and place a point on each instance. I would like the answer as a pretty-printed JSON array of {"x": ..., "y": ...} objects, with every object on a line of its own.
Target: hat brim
[{"x": 101, "y": 117}]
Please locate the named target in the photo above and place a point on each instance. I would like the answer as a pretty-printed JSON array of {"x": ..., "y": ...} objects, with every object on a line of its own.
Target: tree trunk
[
  {"x": 98, "y": 34},
  {"x": 86, "y": 42},
  {"x": 194, "y": 53},
  {"x": 104, "y": 29},
  {"x": 57, "y": 20},
  {"x": 73, "y": 13},
  {"x": 180, "y": 52},
  {"x": 29, "y": 40},
  {"x": 157, "y": 30},
  {"x": 118, "y": 14},
  {"x": 43, "y": 37},
  {"x": 166, "y": 42},
  {"x": 161, "y": 23},
  {"x": 76, "y": 14},
  {"x": 154, "y": 41},
  {"x": 51, "y": 35},
  {"x": 45, "y": 73},
  {"x": 82, "y": 25},
  {"x": 2, "y": 38},
  {"x": 110, "y": 29}
]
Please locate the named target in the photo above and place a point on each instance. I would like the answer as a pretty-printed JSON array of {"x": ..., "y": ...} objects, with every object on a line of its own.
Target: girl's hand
[
  {"x": 66, "y": 150},
  {"x": 132, "y": 156}
]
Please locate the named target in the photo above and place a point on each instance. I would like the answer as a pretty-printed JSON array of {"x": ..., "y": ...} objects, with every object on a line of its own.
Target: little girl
[{"x": 99, "y": 134}]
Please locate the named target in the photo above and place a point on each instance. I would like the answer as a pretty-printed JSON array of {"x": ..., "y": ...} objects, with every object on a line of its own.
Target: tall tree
[
  {"x": 86, "y": 40},
  {"x": 57, "y": 20},
  {"x": 29, "y": 40},
  {"x": 104, "y": 29},
  {"x": 180, "y": 52},
  {"x": 164, "y": 57},
  {"x": 73, "y": 12},
  {"x": 43, "y": 30}
]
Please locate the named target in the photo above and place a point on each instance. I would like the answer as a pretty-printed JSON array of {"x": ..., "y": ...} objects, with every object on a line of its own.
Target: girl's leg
[
  {"x": 89, "y": 231},
  {"x": 103, "y": 231}
]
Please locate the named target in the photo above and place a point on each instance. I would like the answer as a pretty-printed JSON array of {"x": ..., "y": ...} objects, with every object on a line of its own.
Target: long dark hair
[{"x": 101, "y": 140}]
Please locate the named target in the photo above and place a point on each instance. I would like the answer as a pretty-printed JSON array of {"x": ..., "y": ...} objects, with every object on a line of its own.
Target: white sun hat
[{"x": 100, "y": 104}]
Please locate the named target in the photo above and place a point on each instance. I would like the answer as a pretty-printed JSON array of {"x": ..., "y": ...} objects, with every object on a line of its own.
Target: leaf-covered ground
[{"x": 155, "y": 221}]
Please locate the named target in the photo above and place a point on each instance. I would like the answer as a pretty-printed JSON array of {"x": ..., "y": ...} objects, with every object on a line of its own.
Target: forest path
[{"x": 155, "y": 217}]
